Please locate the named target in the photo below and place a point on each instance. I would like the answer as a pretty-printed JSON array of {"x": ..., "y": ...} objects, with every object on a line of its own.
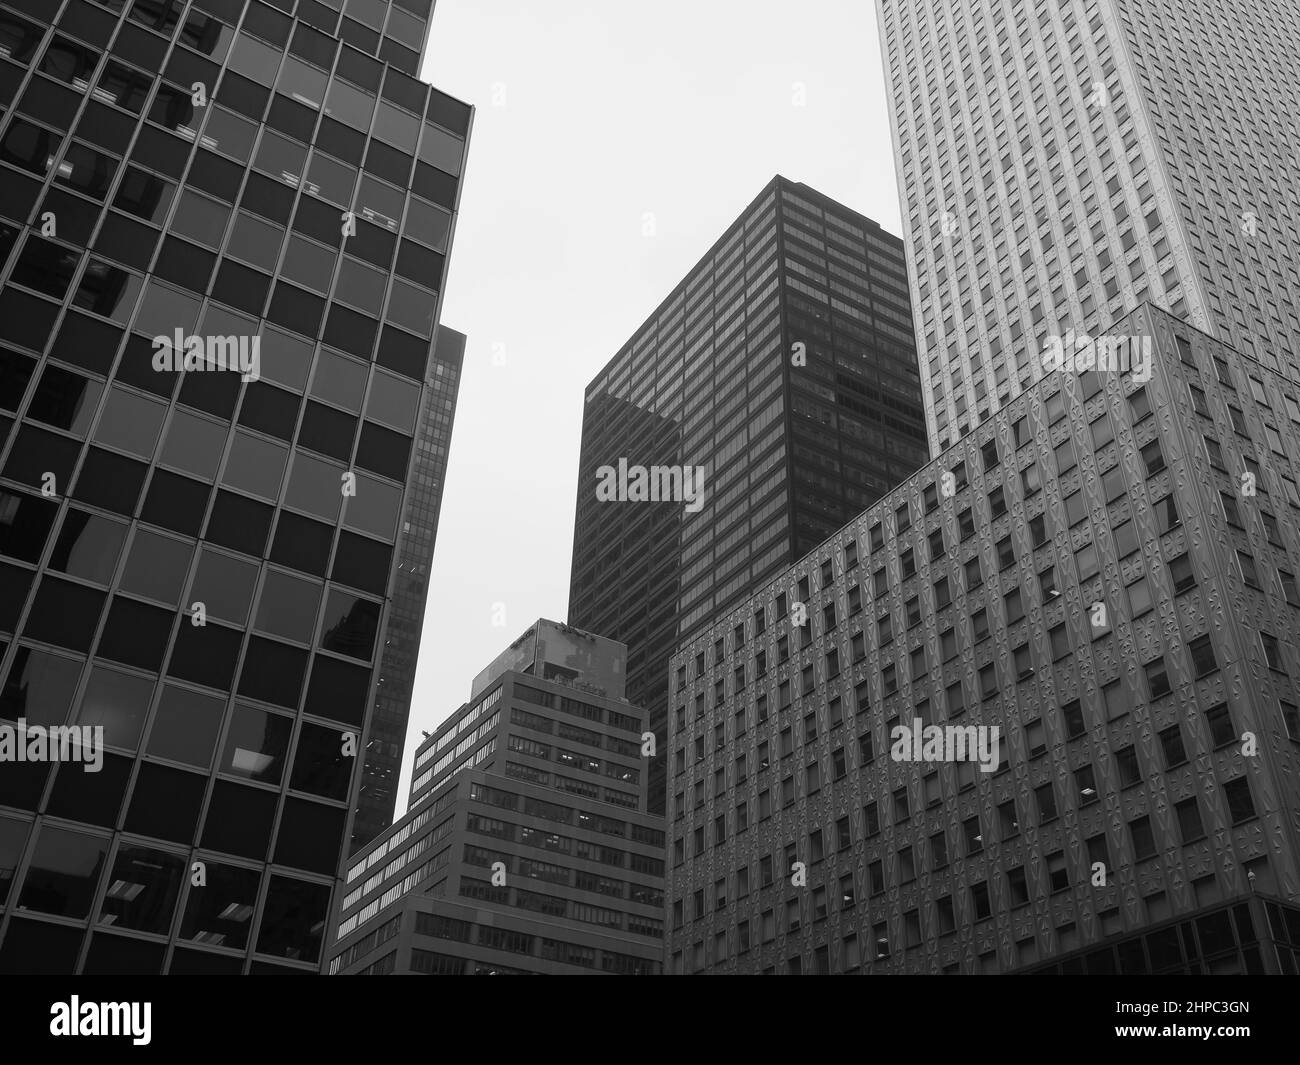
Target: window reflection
[
  {"x": 124, "y": 86},
  {"x": 256, "y": 745},
  {"x": 221, "y": 912},
  {"x": 88, "y": 546},
  {"x": 304, "y": 83},
  {"x": 29, "y": 146},
  {"x": 293, "y": 920},
  {"x": 86, "y": 170},
  {"x": 330, "y": 180},
  {"x": 119, "y": 702},
  {"x": 39, "y": 687},
  {"x": 142, "y": 889},
  {"x": 349, "y": 625},
  {"x": 320, "y": 766},
  {"x": 145, "y": 195},
  {"x": 379, "y": 203},
  {"x": 208, "y": 35},
  {"x": 281, "y": 158},
  {"x": 108, "y": 290},
  {"x": 70, "y": 63}
]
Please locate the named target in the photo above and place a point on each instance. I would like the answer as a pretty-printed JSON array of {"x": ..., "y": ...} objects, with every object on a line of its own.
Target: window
[
  {"x": 1157, "y": 677},
  {"x": 1180, "y": 572},
  {"x": 1219, "y": 721},
  {"x": 871, "y": 820},
  {"x": 1057, "y": 874},
  {"x": 1190, "y": 827},
  {"x": 1126, "y": 761},
  {"x": 1153, "y": 458},
  {"x": 1171, "y": 744},
  {"x": 1144, "y": 845},
  {"x": 939, "y": 850},
  {"x": 1240, "y": 804},
  {"x": 1045, "y": 795},
  {"x": 1008, "y": 821},
  {"x": 1249, "y": 574},
  {"x": 901, "y": 806},
  {"x": 1060, "y": 642},
  {"x": 1085, "y": 784},
  {"x": 1203, "y": 659},
  {"x": 974, "y": 840}
]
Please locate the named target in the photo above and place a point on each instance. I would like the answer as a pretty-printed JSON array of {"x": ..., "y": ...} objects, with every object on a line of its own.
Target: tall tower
[
  {"x": 1060, "y": 163},
  {"x": 400, "y": 640},
  {"x": 783, "y": 365},
  {"x": 224, "y": 228}
]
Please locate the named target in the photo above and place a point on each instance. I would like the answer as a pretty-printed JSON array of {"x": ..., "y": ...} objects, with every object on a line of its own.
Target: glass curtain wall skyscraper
[
  {"x": 1061, "y": 162},
  {"x": 783, "y": 366},
  {"x": 223, "y": 231}
]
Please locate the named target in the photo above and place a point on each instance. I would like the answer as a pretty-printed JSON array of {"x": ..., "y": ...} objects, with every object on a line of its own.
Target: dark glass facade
[
  {"x": 198, "y": 560},
  {"x": 400, "y": 640},
  {"x": 784, "y": 365}
]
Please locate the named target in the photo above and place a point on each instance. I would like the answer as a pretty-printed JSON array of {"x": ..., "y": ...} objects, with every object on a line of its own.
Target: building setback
[
  {"x": 1061, "y": 163},
  {"x": 400, "y": 639},
  {"x": 1106, "y": 571},
  {"x": 783, "y": 365},
  {"x": 199, "y": 560},
  {"x": 526, "y": 846}
]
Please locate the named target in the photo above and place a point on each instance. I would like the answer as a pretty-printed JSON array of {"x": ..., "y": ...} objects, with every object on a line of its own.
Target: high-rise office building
[
  {"x": 223, "y": 230},
  {"x": 1106, "y": 572},
  {"x": 1060, "y": 163},
  {"x": 526, "y": 846},
  {"x": 399, "y": 642},
  {"x": 783, "y": 366}
]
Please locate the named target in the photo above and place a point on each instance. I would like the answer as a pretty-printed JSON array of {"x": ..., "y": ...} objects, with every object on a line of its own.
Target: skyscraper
[
  {"x": 1093, "y": 586},
  {"x": 783, "y": 366},
  {"x": 224, "y": 235},
  {"x": 400, "y": 639},
  {"x": 526, "y": 847},
  {"x": 1060, "y": 163}
]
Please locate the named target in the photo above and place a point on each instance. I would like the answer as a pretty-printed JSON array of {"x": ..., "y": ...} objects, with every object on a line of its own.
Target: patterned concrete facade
[{"x": 1157, "y": 739}]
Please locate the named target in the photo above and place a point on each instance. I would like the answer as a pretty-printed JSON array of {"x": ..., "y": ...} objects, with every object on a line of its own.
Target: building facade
[
  {"x": 1060, "y": 163},
  {"x": 783, "y": 366},
  {"x": 526, "y": 846},
  {"x": 400, "y": 639},
  {"x": 1105, "y": 571},
  {"x": 224, "y": 226}
]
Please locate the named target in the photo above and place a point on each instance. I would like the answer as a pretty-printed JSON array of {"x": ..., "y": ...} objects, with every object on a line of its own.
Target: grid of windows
[
  {"x": 790, "y": 451},
  {"x": 204, "y": 555},
  {"x": 1061, "y": 679}
]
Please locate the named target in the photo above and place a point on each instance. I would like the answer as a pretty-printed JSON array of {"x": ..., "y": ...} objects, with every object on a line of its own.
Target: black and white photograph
[{"x": 710, "y": 488}]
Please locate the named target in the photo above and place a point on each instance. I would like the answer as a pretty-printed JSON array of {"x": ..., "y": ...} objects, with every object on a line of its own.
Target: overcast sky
[{"x": 590, "y": 117}]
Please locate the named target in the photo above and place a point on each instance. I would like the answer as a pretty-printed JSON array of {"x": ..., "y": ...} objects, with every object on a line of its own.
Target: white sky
[{"x": 589, "y": 116}]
